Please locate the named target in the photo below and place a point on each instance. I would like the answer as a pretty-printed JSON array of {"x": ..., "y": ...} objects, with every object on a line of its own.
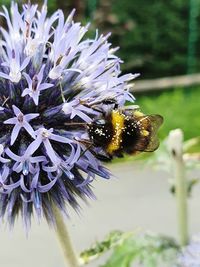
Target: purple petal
[
  {"x": 28, "y": 79},
  {"x": 49, "y": 169},
  {"x": 4, "y": 175},
  {"x": 50, "y": 152},
  {"x": 34, "y": 182},
  {"x": 29, "y": 129},
  {"x": 15, "y": 133},
  {"x": 83, "y": 116},
  {"x": 4, "y": 75},
  {"x": 31, "y": 116},
  {"x": 4, "y": 160},
  {"x": 26, "y": 92},
  {"x": 11, "y": 186},
  {"x": 22, "y": 184},
  {"x": 31, "y": 169},
  {"x": 5, "y": 64},
  {"x": 12, "y": 155},
  {"x": 44, "y": 86},
  {"x": 77, "y": 155},
  {"x": 60, "y": 139},
  {"x": 37, "y": 159},
  {"x": 34, "y": 146},
  {"x": 16, "y": 110},
  {"x": 40, "y": 74},
  {"x": 11, "y": 121},
  {"x": 88, "y": 180},
  {"x": 35, "y": 98},
  {"x": 70, "y": 158},
  {"x": 47, "y": 187},
  {"x": 17, "y": 167},
  {"x": 25, "y": 63}
]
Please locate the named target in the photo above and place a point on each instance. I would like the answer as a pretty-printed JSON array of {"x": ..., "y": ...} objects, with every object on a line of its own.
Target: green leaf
[
  {"x": 148, "y": 249},
  {"x": 123, "y": 255},
  {"x": 113, "y": 239}
]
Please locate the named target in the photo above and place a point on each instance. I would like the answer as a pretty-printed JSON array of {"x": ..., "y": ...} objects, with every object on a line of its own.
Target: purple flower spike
[{"x": 53, "y": 84}]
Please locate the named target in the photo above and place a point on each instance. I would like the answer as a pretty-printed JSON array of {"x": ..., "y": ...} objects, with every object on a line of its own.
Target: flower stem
[
  {"x": 180, "y": 184},
  {"x": 64, "y": 239},
  {"x": 181, "y": 195}
]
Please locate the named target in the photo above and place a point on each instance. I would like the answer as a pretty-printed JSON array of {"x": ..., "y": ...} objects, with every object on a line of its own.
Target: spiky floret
[{"x": 50, "y": 77}]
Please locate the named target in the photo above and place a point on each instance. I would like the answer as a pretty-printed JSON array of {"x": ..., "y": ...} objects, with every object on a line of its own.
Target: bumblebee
[
  {"x": 120, "y": 131},
  {"x": 125, "y": 131}
]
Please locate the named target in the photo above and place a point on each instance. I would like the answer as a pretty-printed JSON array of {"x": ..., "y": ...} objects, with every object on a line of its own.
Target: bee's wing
[
  {"x": 150, "y": 142},
  {"x": 155, "y": 122}
]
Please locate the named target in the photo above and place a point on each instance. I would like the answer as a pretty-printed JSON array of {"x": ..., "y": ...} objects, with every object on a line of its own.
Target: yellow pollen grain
[
  {"x": 144, "y": 132},
  {"x": 118, "y": 126}
]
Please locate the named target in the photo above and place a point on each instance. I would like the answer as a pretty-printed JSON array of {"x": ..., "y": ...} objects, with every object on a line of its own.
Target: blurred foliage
[
  {"x": 148, "y": 250},
  {"x": 152, "y": 35},
  {"x": 179, "y": 107},
  {"x": 161, "y": 160},
  {"x": 113, "y": 239}
]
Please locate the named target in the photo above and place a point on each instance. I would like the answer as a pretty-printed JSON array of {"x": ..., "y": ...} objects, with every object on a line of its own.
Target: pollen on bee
[
  {"x": 118, "y": 127},
  {"x": 99, "y": 132},
  {"x": 145, "y": 133}
]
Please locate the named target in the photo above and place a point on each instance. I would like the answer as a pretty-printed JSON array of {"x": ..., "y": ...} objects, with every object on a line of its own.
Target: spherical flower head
[
  {"x": 53, "y": 82},
  {"x": 190, "y": 256}
]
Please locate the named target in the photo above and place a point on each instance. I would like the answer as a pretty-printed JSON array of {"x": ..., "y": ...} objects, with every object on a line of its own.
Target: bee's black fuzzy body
[{"x": 125, "y": 131}]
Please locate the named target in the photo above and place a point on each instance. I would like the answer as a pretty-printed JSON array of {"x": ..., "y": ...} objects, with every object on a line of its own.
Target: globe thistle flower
[
  {"x": 190, "y": 256},
  {"x": 51, "y": 77}
]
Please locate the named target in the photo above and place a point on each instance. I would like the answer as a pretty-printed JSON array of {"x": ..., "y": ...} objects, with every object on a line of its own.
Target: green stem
[
  {"x": 176, "y": 148},
  {"x": 64, "y": 238},
  {"x": 181, "y": 196}
]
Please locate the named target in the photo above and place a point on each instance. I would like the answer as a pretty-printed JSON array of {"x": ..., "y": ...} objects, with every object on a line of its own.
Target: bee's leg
[
  {"x": 93, "y": 107},
  {"x": 116, "y": 106},
  {"x": 110, "y": 101},
  {"x": 104, "y": 158},
  {"x": 75, "y": 124},
  {"x": 87, "y": 143}
]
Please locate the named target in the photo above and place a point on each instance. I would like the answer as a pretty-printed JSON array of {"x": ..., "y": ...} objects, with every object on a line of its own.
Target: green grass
[{"x": 179, "y": 107}]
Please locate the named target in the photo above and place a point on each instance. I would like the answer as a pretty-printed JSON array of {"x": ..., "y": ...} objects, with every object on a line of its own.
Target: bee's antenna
[{"x": 76, "y": 124}]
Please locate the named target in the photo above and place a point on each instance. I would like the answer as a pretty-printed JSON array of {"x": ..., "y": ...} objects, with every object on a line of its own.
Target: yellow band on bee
[{"x": 118, "y": 126}]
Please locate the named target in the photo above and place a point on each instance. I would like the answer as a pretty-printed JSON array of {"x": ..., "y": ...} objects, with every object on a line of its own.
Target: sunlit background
[{"x": 157, "y": 39}]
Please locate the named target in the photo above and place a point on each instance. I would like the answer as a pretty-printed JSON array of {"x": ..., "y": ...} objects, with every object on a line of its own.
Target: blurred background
[{"x": 158, "y": 39}]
